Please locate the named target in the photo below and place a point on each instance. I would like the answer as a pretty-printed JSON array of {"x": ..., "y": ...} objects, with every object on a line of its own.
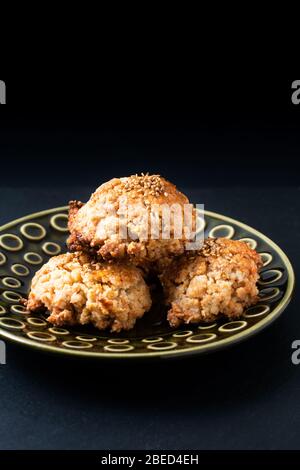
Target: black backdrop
[
  {"x": 234, "y": 148},
  {"x": 218, "y": 132},
  {"x": 231, "y": 144}
]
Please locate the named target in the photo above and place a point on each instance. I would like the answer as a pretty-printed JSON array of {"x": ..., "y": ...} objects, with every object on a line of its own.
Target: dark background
[
  {"x": 232, "y": 145},
  {"x": 210, "y": 133}
]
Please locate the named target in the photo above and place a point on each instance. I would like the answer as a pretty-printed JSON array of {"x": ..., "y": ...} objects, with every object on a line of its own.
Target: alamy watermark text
[
  {"x": 296, "y": 92},
  {"x": 2, "y": 92}
]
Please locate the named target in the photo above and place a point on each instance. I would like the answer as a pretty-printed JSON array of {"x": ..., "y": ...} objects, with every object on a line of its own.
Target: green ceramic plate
[{"x": 27, "y": 243}]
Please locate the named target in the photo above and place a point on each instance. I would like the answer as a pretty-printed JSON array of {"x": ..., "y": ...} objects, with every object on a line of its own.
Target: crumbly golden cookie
[
  {"x": 93, "y": 225},
  {"x": 78, "y": 291},
  {"x": 218, "y": 280}
]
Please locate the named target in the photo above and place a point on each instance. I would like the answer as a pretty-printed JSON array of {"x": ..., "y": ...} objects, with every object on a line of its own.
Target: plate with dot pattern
[{"x": 27, "y": 243}]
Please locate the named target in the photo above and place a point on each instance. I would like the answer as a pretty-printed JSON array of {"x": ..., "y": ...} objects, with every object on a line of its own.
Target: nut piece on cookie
[
  {"x": 100, "y": 227},
  {"x": 219, "y": 280},
  {"x": 78, "y": 291}
]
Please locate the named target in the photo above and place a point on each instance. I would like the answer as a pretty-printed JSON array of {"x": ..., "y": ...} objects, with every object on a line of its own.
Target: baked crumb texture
[
  {"x": 100, "y": 282},
  {"x": 92, "y": 225},
  {"x": 220, "y": 280},
  {"x": 78, "y": 291}
]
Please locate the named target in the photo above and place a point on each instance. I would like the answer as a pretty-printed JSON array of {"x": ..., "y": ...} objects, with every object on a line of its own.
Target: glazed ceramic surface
[{"x": 27, "y": 243}]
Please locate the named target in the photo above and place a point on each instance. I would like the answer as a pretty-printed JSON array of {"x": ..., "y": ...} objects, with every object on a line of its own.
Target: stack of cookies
[{"x": 120, "y": 238}]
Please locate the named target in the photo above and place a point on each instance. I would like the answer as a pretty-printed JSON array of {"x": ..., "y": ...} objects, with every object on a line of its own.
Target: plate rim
[{"x": 204, "y": 348}]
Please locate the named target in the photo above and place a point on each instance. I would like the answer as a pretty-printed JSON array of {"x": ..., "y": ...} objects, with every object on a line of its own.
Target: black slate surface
[{"x": 246, "y": 397}]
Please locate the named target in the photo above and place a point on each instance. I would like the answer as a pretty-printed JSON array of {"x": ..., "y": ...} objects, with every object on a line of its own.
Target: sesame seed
[{"x": 152, "y": 185}]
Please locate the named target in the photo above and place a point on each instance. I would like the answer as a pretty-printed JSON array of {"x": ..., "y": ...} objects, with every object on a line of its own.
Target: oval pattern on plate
[
  {"x": 33, "y": 231},
  {"x": 155, "y": 339},
  {"x": 33, "y": 258},
  {"x": 59, "y": 331},
  {"x": 223, "y": 230},
  {"x": 201, "y": 338},
  {"x": 118, "y": 341},
  {"x": 118, "y": 348},
  {"x": 11, "y": 323},
  {"x": 41, "y": 336},
  {"x": 233, "y": 326},
  {"x": 76, "y": 344},
  {"x": 11, "y": 296},
  {"x": 207, "y": 326},
  {"x": 2, "y": 310},
  {"x": 86, "y": 338},
  {"x": 257, "y": 311},
  {"x": 11, "y": 282},
  {"x": 182, "y": 334},
  {"x": 266, "y": 258},
  {"x": 11, "y": 242},
  {"x": 269, "y": 294},
  {"x": 51, "y": 248},
  {"x": 19, "y": 309},
  {"x": 162, "y": 346},
  {"x": 2, "y": 258},
  {"x": 35, "y": 321},
  {"x": 59, "y": 222},
  {"x": 20, "y": 270},
  {"x": 269, "y": 277}
]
